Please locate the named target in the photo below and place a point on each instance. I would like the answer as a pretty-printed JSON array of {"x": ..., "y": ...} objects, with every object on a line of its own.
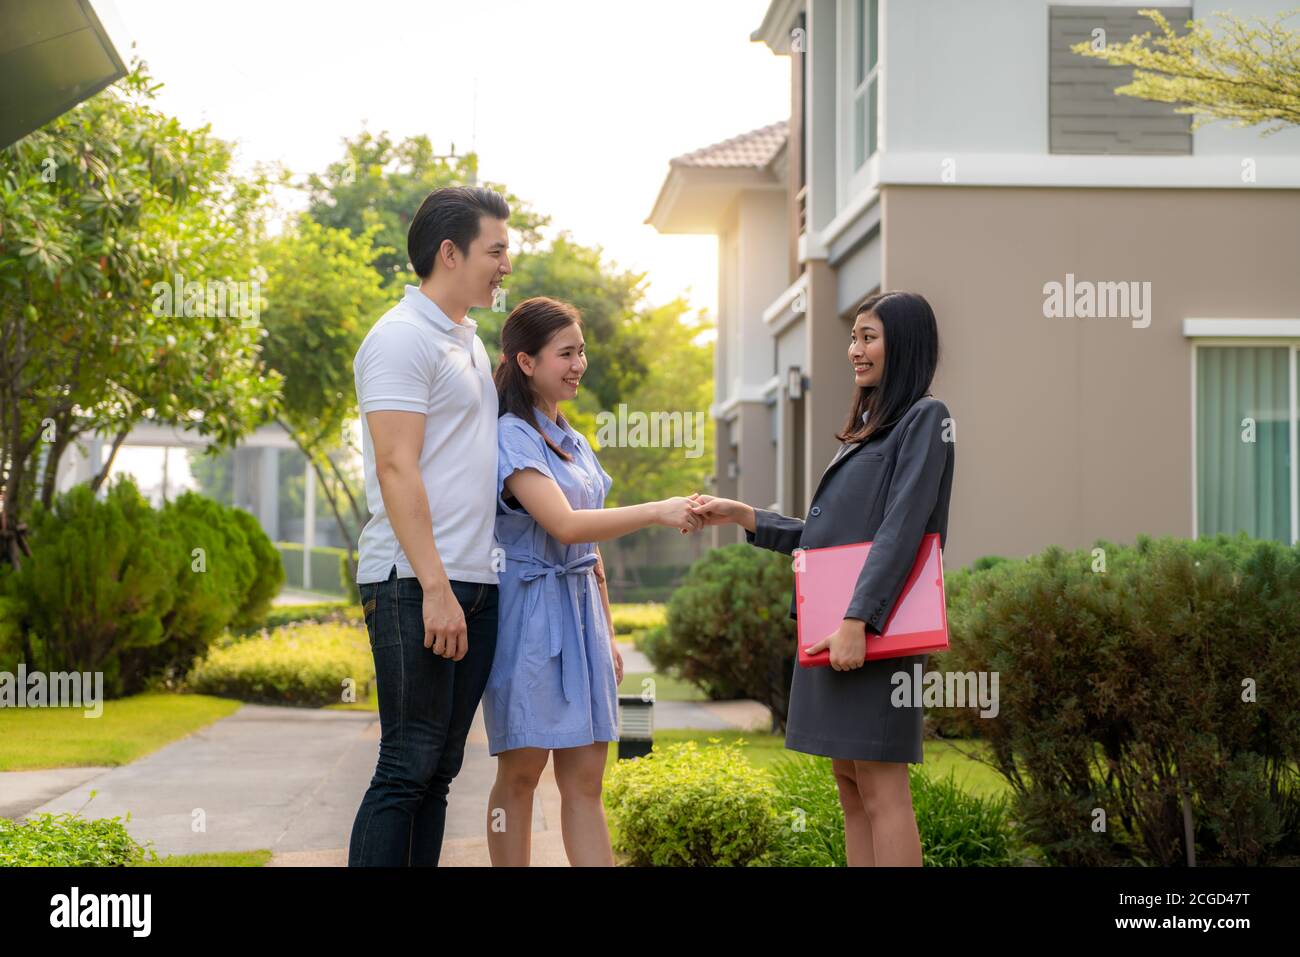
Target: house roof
[
  {"x": 753, "y": 150},
  {"x": 703, "y": 184}
]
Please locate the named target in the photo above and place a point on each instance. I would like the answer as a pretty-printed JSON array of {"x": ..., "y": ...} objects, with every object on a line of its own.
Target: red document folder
[{"x": 824, "y": 579}]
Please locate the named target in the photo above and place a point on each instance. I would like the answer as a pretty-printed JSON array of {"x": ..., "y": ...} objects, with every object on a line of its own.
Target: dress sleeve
[{"x": 519, "y": 447}]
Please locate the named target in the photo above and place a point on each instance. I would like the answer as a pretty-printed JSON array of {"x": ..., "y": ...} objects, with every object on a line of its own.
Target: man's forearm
[{"x": 407, "y": 506}]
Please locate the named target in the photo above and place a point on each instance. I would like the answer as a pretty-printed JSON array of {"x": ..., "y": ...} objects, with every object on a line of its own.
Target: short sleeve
[
  {"x": 519, "y": 446},
  {"x": 395, "y": 368}
]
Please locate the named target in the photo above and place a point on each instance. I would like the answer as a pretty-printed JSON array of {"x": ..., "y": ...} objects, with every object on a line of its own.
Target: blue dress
[{"x": 552, "y": 680}]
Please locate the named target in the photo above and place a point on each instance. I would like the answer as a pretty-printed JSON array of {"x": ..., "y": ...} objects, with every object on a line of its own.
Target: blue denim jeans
[{"x": 426, "y": 706}]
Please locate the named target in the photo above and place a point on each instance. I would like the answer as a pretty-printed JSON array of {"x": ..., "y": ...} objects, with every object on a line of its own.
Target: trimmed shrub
[
  {"x": 1151, "y": 683},
  {"x": 685, "y": 806},
  {"x": 729, "y": 630},
  {"x": 98, "y": 583},
  {"x": 211, "y": 583},
  {"x": 637, "y": 617},
  {"x": 319, "y": 613},
  {"x": 304, "y": 665},
  {"x": 268, "y": 572},
  {"x": 68, "y": 840}
]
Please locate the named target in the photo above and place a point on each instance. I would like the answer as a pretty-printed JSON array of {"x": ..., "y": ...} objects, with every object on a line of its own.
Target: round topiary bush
[
  {"x": 729, "y": 631},
  {"x": 687, "y": 806}
]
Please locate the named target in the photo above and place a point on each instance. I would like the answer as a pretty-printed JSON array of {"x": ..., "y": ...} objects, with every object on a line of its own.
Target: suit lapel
[{"x": 834, "y": 465}]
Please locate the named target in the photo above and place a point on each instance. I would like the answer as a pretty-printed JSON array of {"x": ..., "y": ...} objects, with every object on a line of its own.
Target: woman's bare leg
[
  {"x": 510, "y": 806},
  {"x": 887, "y": 796},
  {"x": 857, "y": 826},
  {"x": 579, "y": 772}
]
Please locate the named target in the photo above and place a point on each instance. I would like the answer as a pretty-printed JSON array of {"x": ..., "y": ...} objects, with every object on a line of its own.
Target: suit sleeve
[
  {"x": 774, "y": 531},
  {"x": 913, "y": 493}
]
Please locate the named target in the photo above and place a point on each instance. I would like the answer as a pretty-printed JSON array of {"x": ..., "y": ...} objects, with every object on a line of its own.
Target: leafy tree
[
  {"x": 682, "y": 383},
  {"x": 1249, "y": 73},
  {"x": 96, "y": 208},
  {"x": 609, "y": 301},
  {"x": 379, "y": 184},
  {"x": 323, "y": 295}
]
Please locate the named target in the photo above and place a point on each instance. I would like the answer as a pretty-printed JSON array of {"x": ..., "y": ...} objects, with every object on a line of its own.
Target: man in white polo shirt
[{"x": 426, "y": 573}]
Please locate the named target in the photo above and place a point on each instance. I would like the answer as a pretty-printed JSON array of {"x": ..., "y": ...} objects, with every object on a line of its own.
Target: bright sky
[{"x": 576, "y": 105}]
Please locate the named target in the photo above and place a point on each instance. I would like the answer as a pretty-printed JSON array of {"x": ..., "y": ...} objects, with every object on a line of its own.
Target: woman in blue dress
[{"x": 555, "y": 676}]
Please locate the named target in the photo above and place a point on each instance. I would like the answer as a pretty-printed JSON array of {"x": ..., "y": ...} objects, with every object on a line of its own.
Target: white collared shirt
[{"x": 416, "y": 359}]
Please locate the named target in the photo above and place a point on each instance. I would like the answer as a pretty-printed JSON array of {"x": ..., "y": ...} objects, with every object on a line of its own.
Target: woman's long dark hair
[
  {"x": 528, "y": 328},
  {"x": 911, "y": 356}
]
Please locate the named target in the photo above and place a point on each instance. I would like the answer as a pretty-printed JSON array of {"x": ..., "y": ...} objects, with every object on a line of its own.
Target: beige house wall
[{"x": 1073, "y": 429}]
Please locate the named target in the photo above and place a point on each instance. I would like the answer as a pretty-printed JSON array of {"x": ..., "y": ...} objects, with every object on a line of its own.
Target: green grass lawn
[
  {"x": 666, "y": 687},
  {"x": 129, "y": 728},
  {"x": 218, "y": 859}
]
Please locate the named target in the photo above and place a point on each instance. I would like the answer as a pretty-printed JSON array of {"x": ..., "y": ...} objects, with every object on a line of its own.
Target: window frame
[{"x": 856, "y": 45}]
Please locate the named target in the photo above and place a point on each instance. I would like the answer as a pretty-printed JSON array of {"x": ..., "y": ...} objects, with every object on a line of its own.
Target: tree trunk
[
  {"x": 338, "y": 517},
  {"x": 62, "y": 438},
  {"x": 330, "y": 496},
  {"x": 98, "y": 480}
]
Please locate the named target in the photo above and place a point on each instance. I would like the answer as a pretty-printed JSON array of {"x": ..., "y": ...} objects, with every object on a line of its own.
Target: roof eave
[{"x": 777, "y": 23}]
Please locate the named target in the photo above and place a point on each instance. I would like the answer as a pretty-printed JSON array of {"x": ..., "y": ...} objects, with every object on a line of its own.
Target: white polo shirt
[{"x": 416, "y": 359}]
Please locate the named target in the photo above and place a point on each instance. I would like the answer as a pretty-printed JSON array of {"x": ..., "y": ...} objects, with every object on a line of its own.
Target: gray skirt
[{"x": 850, "y": 714}]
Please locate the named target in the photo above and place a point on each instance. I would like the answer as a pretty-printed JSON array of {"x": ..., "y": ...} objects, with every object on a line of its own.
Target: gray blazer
[{"x": 890, "y": 490}]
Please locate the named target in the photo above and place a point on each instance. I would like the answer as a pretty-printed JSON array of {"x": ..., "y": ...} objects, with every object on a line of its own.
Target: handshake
[{"x": 689, "y": 514}]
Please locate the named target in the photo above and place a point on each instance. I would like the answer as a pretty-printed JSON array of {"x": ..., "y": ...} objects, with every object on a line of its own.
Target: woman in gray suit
[{"x": 888, "y": 484}]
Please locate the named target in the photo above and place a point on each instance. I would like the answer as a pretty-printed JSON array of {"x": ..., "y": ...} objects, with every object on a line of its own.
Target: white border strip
[{"x": 1219, "y": 328}]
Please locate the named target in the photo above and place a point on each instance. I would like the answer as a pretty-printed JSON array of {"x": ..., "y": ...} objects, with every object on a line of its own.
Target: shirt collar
[
  {"x": 430, "y": 310},
  {"x": 559, "y": 435}
]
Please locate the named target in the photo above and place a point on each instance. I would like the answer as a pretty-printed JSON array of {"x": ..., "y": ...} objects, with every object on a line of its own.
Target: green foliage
[
  {"x": 210, "y": 582},
  {"x": 676, "y": 347},
  {"x": 685, "y": 806},
  {"x": 319, "y": 613},
  {"x": 811, "y": 831},
  {"x": 11, "y": 624},
  {"x": 379, "y": 184},
  {"x": 97, "y": 208},
  {"x": 729, "y": 630},
  {"x": 322, "y": 297},
  {"x": 139, "y": 594},
  {"x": 268, "y": 572},
  {"x": 329, "y": 569},
  {"x": 608, "y": 299},
  {"x": 1246, "y": 73},
  {"x": 1145, "y": 677},
  {"x": 635, "y": 617},
  {"x": 956, "y": 828},
  {"x": 69, "y": 840},
  {"x": 303, "y": 665},
  {"x": 99, "y": 581}
]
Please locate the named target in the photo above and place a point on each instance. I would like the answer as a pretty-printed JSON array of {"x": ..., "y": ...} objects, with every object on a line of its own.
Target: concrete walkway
[{"x": 291, "y": 779}]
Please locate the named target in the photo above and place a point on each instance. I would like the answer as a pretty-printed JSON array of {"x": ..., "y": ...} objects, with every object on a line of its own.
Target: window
[
  {"x": 865, "y": 80},
  {"x": 859, "y": 92},
  {"x": 1246, "y": 475}
]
